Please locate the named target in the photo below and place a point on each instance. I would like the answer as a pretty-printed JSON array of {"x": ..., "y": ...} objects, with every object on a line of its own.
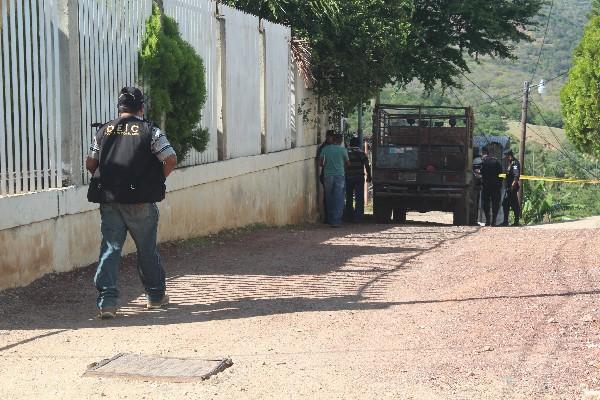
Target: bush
[{"x": 173, "y": 74}]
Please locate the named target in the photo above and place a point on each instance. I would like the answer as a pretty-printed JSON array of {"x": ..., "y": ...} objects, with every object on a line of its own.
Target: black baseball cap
[
  {"x": 509, "y": 153},
  {"x": 130, "y": 99}
]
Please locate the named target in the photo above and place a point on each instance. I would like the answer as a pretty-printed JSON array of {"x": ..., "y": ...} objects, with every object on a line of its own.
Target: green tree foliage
[
  {"x": 581, "y": 95},
  {"x": 538, "y": 203},
  {"x": 364, "y": 45},
  {"x": 504, "y": 77},
  {"x": 595, "y": 9},
  {"x": 174, "y": 74},
  {"x": 548, "y": 202}
]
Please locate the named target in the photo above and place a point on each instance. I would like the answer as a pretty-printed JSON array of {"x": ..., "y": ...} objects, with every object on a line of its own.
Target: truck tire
[
  {"x": 474, "y": 208},
  {"x": 399, "y": 215},
  {"x": 460, "y": 214},
  {"x": 382, "y": 209}
]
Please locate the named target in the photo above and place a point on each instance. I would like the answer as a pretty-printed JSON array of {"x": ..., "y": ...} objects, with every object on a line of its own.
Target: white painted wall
[{"x": 59, "y": 230}]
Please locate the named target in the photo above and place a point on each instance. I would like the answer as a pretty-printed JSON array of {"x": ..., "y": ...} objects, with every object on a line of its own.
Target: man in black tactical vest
[
  {"x": 355, "y": 181},
  {"x": 129, "y": 161},
  {"x": 491, "y": 168},
  {"x": 513, "y": 182}
]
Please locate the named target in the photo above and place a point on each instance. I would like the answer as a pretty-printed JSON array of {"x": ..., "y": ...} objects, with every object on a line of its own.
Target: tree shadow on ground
[{"x": 272, "y": 271}]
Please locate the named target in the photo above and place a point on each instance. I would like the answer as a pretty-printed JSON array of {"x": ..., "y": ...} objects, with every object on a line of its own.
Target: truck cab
[{"x": 423, "y": 161}]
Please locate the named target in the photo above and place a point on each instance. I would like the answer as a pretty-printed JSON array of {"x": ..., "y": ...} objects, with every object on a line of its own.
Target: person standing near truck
[
  {"x": 513, "y": 182},
  {"x": 491, "y": 168},
  {"x": 355, "y": 181},
  {"x": 334, "y": 159},
  {"x": 328, "y": 141}
]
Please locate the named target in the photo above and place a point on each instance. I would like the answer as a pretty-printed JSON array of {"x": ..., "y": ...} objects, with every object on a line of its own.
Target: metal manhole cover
[{"x": 169, "y": 369}]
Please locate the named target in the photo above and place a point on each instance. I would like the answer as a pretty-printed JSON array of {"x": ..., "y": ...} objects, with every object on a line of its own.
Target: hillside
[
  {"x": 504, "y": 78},
  {"x": 538, "y": 134}
]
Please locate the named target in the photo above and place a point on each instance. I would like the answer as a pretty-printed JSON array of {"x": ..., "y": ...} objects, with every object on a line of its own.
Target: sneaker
[
  {"x": 516, "y": 224},
  {"x": 155, "y": 305},
  {"x": 504, "y": 224},
  {"x": 107, "y": 313}
]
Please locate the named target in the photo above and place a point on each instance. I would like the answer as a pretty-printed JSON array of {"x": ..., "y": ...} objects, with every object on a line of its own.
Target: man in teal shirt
[{"x": 334, "y": 159}]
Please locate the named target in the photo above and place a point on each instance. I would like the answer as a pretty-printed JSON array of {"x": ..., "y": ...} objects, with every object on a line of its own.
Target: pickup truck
[{"x": 423, "y": 161}]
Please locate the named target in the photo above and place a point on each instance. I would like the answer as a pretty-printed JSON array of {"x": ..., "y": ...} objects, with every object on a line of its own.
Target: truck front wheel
[{"x": 382, "y": 209}]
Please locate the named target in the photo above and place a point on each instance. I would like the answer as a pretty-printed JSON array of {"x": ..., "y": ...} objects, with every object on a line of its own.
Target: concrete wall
[{"x": 58, "y": 230}]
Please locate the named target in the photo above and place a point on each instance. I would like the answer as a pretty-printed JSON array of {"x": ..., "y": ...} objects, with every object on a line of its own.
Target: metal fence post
[{"x": 69, "y": 68}]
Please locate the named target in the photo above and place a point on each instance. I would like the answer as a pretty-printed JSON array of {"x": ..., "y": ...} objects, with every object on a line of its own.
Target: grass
[{"x": 535, "y": 131}]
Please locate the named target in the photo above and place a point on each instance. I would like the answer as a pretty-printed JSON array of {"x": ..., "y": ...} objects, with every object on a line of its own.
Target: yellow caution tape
[{"x": 554, "y": 179}]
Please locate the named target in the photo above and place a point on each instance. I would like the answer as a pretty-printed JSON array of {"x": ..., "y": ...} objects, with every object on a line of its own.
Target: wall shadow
[{"x": 272, "y": 271}]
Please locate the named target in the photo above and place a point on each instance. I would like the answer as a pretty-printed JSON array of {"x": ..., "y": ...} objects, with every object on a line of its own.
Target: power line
[
  {"x": 547, "y": 124},
  {"x": 462, "y": 105},
  {"x": 496, "y": 99},
  {"x": 519, "y": 93},
  {"x": 457, "y": 98},
  {"x": 543, "y": 42},
  {"x": 557, "y": 76},
  {"x": 533, "y": 130},
  {"x": 563, "y": 151}
]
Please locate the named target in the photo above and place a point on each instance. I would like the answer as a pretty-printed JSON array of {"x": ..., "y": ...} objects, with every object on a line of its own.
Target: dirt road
[{"x": 427, "y": 311}]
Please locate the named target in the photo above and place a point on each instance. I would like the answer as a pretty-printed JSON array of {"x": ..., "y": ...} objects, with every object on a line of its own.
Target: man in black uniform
[
  {"x": 513, "y": 182},
  {"x": 129, "y": 160},
  {"x": 355, "y": 181},
  {"x": 491, "y": 168}
]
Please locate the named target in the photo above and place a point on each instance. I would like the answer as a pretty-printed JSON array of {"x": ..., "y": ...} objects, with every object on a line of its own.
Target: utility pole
[{"x": 523, "y": 135}]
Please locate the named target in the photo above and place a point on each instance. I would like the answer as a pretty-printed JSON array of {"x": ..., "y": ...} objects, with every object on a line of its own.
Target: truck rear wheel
[
  {"x": 399, "y": 215},
  {"x": 460, "y": 214},
  {"x": 382, "y": 209}
]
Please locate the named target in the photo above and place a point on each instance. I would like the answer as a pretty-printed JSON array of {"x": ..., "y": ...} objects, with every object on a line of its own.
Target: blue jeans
[
  {"x": 355, "y": 192},
  {"x": 141, "y": 221},
  {"x": 334, "y": 195}
]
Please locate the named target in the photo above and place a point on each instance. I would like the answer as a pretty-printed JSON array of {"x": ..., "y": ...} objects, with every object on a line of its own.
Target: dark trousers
[
  {"x": 322, "y": 180},
  {"x": 491, "y": 195},
  {"x": 355, "y": 197},
  {"x": 511, "y": 200}
]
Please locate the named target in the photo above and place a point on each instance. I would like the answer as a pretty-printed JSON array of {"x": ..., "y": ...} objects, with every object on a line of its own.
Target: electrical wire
[
  {"x": 520, "y": 93},
  {"x": 563, "y": 151},
  {"x": 456, "y": 96},
  {"x": 487, "y": 139},
  {"x": 543, "y": 42},
  {"x": 534, "y": 131}
]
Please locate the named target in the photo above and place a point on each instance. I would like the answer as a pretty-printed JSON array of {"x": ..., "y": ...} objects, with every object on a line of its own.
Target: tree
[
  {"x": 595, "y": 9},
  {"x": 174, "y": 74},
  {"x": 581, "y": 94},
  {"x": 363, "y": 45}
]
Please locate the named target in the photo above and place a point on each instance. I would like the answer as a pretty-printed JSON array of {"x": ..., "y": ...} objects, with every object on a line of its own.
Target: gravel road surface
[{"x": 416, "y": 311}]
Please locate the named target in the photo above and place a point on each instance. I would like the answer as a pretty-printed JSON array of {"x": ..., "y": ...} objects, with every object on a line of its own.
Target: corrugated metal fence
[
  {"x": 249, "y": 95},
  {"x": 278, "y": 87},
  {"x": 30, "y": 125},
  {"x": 242, "y": 83},
  {"x": 110, "y": 33}
]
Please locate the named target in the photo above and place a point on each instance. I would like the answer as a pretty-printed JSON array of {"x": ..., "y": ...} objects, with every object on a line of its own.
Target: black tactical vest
[
  {"x": 127, "y": 172},
  {"x": 513, "y": 171}
]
